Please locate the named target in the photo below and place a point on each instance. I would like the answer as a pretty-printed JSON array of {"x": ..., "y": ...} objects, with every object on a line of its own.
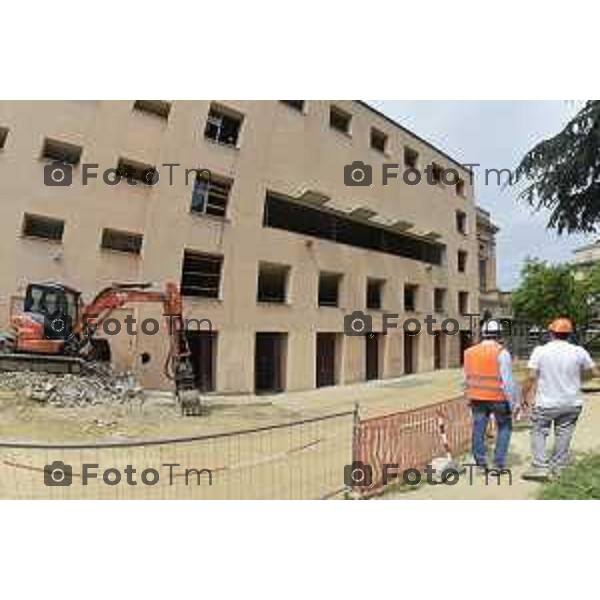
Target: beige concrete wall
[{"x": 280, "y": 150}]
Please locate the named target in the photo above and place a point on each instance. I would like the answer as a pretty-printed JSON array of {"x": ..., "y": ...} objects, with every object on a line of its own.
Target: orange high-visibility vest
[{"x": 482, "y": 373}]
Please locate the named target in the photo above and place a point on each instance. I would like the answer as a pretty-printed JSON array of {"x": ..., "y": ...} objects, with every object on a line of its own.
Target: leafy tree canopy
[
  {"x": 550, "y": 291},
  {"x": 564, "y": 174}
]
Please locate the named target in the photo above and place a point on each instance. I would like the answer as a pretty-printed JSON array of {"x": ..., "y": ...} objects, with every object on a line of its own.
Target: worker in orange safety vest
[{"x": 490, "y": 390}]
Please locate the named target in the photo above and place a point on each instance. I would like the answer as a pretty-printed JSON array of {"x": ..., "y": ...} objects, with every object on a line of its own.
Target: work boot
[{"x": 537, "y": 474}]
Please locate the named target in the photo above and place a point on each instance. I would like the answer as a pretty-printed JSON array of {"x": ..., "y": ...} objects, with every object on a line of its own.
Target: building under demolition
[{"x": 247, "y": 206}]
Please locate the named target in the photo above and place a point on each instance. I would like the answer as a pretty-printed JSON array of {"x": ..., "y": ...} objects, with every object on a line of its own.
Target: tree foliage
[
  {"x": 564, "y": 174},
  {"x": 550, "y": 291}
]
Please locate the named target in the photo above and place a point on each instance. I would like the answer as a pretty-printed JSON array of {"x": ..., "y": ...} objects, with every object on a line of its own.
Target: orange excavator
[{"x": 55, "y": 331}]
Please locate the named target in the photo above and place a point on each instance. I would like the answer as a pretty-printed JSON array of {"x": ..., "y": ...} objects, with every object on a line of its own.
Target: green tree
[
  {"x": 550, "y": 291},
  {"x": 564, "y": 174}
]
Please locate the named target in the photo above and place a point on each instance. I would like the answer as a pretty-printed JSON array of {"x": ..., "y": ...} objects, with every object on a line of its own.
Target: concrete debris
[{"x": 72, "y": 390}]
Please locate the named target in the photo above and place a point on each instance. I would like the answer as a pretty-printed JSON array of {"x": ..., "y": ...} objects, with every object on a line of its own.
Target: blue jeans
[{"x": 481, "y": 412}]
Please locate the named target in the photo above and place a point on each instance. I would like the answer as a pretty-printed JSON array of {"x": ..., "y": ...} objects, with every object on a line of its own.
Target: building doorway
[
  {"x": 326, "y": 363},
  {"x": 410, "y": 353},
  {"x": 439, "y": 345},
  {"x": 372, "y": 341},
  {"x": 203, "y": 350},
  {"x": 269, "y": 362}
]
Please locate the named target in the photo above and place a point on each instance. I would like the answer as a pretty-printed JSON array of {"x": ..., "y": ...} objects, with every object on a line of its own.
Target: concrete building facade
[{"x": 275, "y": 249}]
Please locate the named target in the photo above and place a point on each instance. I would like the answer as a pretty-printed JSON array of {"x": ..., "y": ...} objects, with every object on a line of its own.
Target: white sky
[{"x": 495, "y": 134}]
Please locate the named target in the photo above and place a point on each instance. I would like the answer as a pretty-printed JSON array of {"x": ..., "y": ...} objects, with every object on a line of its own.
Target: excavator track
[{"x": 16, "y": 361}]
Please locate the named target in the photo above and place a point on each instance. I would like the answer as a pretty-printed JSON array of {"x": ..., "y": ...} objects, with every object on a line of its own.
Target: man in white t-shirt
[{"x": 557, "y": 369}]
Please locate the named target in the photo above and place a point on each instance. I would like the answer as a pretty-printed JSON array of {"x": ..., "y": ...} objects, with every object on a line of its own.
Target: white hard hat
[{"x": 491, "y": 327}]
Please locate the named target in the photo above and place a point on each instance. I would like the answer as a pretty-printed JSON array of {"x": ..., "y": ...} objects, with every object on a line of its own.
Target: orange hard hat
[{"x": 562, "y": 325}]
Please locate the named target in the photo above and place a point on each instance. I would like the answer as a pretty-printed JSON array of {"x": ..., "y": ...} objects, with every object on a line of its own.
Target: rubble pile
[{"x": 71, "y": 389}]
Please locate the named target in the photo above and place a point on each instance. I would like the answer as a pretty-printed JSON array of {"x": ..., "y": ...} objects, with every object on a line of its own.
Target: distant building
[
  {"x": 587, "y": 255},
  {"x": 492, "y": 301}
]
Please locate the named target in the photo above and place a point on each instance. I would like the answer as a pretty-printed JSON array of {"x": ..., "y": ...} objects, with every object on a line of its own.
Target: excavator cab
[{"x": 54, "y": 306}]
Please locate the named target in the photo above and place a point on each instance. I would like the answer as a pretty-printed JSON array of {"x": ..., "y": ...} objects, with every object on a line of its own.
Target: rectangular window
[
  {"x": 201, "y": 274},
  {"x": 223, "y": 125},
  {"x": 462, "y": 261},
  {"x": 295, "y": 104},
  {"x": 211, "y": 195},
  {"x": 483, "y": 274},
  {"x": 436, "y": 173},
  {"x": 375, "y": 293},
  {"x": 45, "y": 228},
  {"x": 410, "y": 297},
  {"x": 121, "y": 241},
  {"x": 411, "y": 158},
  {"x": 439, "y": 300},
  {"x": 461, "y": 222},
  {"x": 284, "y": 213},
  {"x": 3, "y": 136},
  {"x": 272, "y": 282},
  {"x": 329, "y": 289},
  {"x": 379, "y": 140},
  {"x": 61, "y": 151},
  {"x": 137, "y": 171},
  {"x": 463, "y": 302},
  {"x": 158, "y": 108},
  {"x": 339, "y": 119},
  {"x": 460, "y": 188}
]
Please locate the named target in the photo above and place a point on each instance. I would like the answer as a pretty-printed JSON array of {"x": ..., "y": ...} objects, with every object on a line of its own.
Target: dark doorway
[
  {"x": 465, "y": 342},
  {"x": 372, "y": 356},
  {"x": 410, "y": 345},
  {"x": 326, "y": 363},
  {"x": 203, "y": 348},
  {"x": 438, "y": 349},
  {"x": 269, "y": 362}
]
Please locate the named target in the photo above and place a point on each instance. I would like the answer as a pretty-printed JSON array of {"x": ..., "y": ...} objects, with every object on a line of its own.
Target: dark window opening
[
  {"x": 436, "y": 173},
  {"x": 3, "y": 135},
  {"x": 203, "y": 350},
  {"x": 61, "y": 151},
  {"x": 410, "y": 297},
  {"x": 285, "y": 214},
  {"x": 210, "y": 196},
  {"x": 411, "y": 158},
  {"x": 272, "y": 283},
  {"x": 158, "y": 108},
  {"x": 223, "y": 126},
  {"x": 201, "y": 274},
  {"x": 121, "y": 241},
  {"x": 462, "y": 261},
  {"x": 375, "y": 293},
  {"x": 339, "y": 119},
  {"x": 378, "y": 140},
  {"x": 137, "y": 171},
  {"x": 460, "y": 188},
  {"x": 329, "y": 289},
  {"x": 483, "y": 275},
  {"x": 439, "y": 300},
  {"x": 461, "y": 222},
  {"x": 43, "y": 227},
  {"x": 463, "y": 302},
  {"x": 295, "y": 104}
]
